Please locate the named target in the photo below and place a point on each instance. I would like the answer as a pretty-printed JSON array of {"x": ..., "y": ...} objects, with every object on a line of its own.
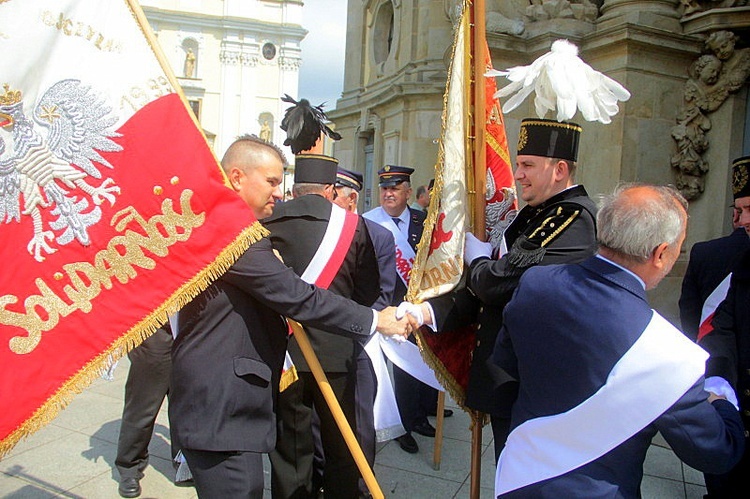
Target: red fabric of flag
[{"x": 114, "y": 211}]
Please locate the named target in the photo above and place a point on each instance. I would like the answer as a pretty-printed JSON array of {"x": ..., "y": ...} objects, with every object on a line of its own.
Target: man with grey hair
[{"x": 600, "y": 372}]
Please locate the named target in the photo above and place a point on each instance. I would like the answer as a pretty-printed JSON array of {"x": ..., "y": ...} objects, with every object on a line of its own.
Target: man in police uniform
[
  {"x": 557, "y": 225},
  {"x": 415, "y": 399},
  {"x": 729, "y": 342},
  {"x": 311, "y": 231}
]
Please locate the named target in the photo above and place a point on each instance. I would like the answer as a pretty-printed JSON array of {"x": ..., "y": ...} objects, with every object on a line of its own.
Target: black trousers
[
  {"x": 292, "y": 459},
  {"x": 364, "y": 399},
  {"x": 732, "y": 485},
  {"x": 226, "y": 475},
  {"x": 500, "y": 432},
  {"x": 145, "y": 389}
]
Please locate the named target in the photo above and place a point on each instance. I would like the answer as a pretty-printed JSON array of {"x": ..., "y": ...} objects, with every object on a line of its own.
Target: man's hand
[
  {"x": 712, "y": 396},
  {"x": 390, "y": 326},
  {"x": 422, "y": 313},
  {"x": 474, "y": 248}
]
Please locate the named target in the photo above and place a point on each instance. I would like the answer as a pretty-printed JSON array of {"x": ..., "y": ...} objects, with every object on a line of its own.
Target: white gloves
[
  {"x": 409, "y": 308},
  {"x": 474, "y": 248}
]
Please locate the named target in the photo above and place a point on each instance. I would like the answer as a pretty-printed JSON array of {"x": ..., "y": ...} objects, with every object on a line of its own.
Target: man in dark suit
[
  {"x": 709, "y": 265},
  {"x": 729, "y": 341},
  {"x": 600, "y": 372},
  {"x": 415, "y": 399},
  {"x": 228, "y": 355},
  {"x": 308, "y": 232},
  {"x": 556, "y": 226}
]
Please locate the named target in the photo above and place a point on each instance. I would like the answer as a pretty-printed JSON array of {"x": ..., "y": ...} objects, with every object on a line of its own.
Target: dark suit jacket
[
  {"x": 530, "y": 242},
  {"x": 297, "y": 229},
  {"x": 385, "y": 251},
  {"x": 710, "y": 262},
  {"x": 565, "y": 328},
  {"x": 227, "y": 359},
  {"x": 729, "y": 342}
]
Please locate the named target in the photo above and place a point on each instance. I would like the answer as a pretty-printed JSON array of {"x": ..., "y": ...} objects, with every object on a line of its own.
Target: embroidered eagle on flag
[{"x": 49, "y": 171}]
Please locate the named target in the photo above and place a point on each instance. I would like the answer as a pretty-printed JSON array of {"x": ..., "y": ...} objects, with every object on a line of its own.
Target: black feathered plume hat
[{"x": 303, "y": 124}]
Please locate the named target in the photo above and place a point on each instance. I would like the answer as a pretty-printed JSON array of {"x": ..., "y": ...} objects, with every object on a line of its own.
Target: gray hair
[
  {"x": 303, "y": 189},
  {"x": 346, "y": 190},
  {"x": 634, "y": 229}
]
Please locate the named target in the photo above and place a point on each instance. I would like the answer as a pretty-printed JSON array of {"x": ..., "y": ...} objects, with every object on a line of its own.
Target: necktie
[{"x": 397, "y": 221}]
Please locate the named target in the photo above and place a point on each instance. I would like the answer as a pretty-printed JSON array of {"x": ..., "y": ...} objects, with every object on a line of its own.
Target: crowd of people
[{"x": 576, "y": 371}]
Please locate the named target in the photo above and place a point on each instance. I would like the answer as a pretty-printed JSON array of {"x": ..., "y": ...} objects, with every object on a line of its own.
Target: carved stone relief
[
  {"x": 693, "y": 6},
  {"x": 713, "y": 76},
  {"x": 543, "y": 10}
]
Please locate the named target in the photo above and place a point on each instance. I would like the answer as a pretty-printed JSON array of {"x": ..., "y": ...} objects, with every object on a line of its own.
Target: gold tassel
[{"x": 142, "y": 330}]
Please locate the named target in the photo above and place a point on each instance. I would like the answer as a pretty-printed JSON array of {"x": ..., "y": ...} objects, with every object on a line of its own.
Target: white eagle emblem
[{"x": 50, "y": 173}]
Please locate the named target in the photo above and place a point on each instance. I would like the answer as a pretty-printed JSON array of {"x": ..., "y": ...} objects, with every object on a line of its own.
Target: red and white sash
[
  {"x": 652, "y": 375},
  {"x": 325, "y": 264},
  {"x": 405, "y": 255},
  {"x": 711, "y": 304}
]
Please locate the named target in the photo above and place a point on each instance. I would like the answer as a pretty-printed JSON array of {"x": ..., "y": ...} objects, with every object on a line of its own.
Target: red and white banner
[
  {"x": 439, "y": 264},
  {"x": 113, "y": 208}
]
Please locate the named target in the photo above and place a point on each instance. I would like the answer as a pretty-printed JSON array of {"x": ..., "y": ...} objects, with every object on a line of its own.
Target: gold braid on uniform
[{"x": 529, "y": 250}]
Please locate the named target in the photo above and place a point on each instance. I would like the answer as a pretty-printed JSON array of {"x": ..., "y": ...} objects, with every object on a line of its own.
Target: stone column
[{"x": 662, "y": 14}]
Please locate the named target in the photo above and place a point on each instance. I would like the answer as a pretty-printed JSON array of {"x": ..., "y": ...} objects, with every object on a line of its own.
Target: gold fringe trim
[
  {"x": 287, "y": 378},
  {"x": 139, "y": 332},
  {"x": 413, "y": 293},
  {"x": 423, "y": 247}
]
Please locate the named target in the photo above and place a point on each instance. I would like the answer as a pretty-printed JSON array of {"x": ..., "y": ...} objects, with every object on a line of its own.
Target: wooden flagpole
[
  {"x": 478, "y": 41},
  {"x": 346, "y": 430}
]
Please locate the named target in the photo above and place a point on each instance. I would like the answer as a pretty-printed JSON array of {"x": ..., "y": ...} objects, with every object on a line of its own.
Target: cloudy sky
[{"x": 322, "y": 72}]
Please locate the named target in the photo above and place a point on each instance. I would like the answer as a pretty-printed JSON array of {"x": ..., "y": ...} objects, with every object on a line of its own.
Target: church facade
[
  {"x": 685, "y": 62},
  {"x": 234, "y": 59}
]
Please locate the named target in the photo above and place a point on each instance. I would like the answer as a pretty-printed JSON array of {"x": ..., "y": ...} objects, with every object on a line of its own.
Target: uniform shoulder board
[{"x": 529, "y": 248}]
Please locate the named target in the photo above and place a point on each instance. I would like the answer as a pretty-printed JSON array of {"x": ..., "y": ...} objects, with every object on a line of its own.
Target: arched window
[{"x": 382, "y": 33}]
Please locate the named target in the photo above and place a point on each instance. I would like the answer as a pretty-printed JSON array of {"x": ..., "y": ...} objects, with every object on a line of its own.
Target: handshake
[{"x": 399, "y": 322}]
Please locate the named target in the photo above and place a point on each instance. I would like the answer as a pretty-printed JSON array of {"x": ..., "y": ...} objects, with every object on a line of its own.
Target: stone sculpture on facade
[
  {"x": 713, "y": 76},
  {"x": 542, "y": 10},
  {"x": 189, "y": 63},
  {"x": 693, "y": 6}
]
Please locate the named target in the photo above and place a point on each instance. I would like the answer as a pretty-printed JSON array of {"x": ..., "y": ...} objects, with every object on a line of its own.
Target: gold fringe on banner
[
  {"x": 287, "y": 378},
  {"x": 135, "y": 336},
  {"x": 455, "y": 390}
]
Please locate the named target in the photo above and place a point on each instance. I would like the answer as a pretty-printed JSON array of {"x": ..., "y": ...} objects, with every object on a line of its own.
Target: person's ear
[
  {"x": 659, "y": 256},
  {"x": 235, "y": 177},
  {"x": 561, "y": 171}
]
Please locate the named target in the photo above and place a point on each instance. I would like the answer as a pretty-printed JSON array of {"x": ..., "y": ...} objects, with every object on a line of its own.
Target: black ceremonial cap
[
  {"x": 549, "y": 138},
  {"x": 349, "y": 178},
  {"x": 740, "y": 175},
  {"x": 315, "y": 169},
  {"x": 391, "y": 175}
]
